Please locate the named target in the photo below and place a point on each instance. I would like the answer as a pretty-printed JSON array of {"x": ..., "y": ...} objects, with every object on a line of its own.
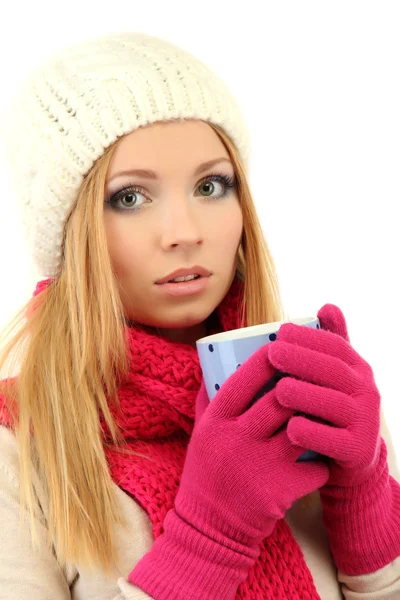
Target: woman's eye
[
  {"x": 208, "y": 186},
  {"x": 131, "y": 198},
  {"x": 130, "y": 195}
]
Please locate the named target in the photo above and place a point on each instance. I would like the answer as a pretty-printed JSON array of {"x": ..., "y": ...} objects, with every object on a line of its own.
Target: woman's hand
[{"x": 328, "y": 380}]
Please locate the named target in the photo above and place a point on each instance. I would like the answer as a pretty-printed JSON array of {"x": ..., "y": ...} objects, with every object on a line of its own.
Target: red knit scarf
[
  {"x": 158, "y": 407},
  {"x": 157, "y": 418}
]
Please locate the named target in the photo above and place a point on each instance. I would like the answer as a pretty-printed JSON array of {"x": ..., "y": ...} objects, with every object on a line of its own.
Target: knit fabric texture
[
  {"x": 78, "y": 103},
  {"x": 156, "y": 417},
  {"x": 158, "y": 410}
]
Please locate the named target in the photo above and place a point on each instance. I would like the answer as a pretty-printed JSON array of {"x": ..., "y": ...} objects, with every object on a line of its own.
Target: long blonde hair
[{"x": 71, "y": 368}]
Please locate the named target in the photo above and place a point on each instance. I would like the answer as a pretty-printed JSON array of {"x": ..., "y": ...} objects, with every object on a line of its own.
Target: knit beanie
[{"x": 72, "y": 107}]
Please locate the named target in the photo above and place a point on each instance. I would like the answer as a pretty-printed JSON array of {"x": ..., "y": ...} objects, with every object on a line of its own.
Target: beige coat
[{"x": 28, "y": 575}]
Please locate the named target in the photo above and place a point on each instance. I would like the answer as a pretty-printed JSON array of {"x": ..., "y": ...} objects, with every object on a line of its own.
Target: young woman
[{"x": 130, "y": 159}]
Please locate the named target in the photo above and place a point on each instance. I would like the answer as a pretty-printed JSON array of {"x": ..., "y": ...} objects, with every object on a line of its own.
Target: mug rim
[{"x": 254, "y": 330}]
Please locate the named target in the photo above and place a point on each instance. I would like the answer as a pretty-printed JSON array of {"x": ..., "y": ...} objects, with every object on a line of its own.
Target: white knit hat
[{"x": 70, "y": 109}]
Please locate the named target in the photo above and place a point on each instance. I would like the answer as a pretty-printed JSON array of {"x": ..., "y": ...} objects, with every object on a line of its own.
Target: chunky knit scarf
[
  {"x": 157, "y": 418},
  {"x": 158, "y": 408}
]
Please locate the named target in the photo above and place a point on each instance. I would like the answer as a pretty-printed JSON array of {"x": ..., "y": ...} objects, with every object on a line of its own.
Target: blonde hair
[{"x": 71, "y": 368}]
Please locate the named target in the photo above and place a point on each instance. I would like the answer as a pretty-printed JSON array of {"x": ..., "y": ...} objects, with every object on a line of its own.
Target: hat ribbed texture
[{"x": 76, "y": 104}]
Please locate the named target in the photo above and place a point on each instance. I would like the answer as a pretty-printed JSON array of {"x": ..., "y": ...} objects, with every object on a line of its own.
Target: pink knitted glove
[
  {"x": 239, "y": 477},
  {"x": 330, "y": 381}
]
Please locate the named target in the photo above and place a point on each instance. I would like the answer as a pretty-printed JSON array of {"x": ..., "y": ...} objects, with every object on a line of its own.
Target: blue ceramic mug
[{"x": 221, "y": 354}]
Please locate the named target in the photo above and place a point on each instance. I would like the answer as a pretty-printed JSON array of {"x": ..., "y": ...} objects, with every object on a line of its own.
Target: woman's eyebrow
[{"x": 153, "y": 175}]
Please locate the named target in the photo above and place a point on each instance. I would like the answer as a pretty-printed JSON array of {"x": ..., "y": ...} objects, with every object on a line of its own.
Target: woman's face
[{"x": 182, "y": 220}]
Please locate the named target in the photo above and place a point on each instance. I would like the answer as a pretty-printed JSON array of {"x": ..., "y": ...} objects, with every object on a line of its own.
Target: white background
[{"x": 318, "y": 83}]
